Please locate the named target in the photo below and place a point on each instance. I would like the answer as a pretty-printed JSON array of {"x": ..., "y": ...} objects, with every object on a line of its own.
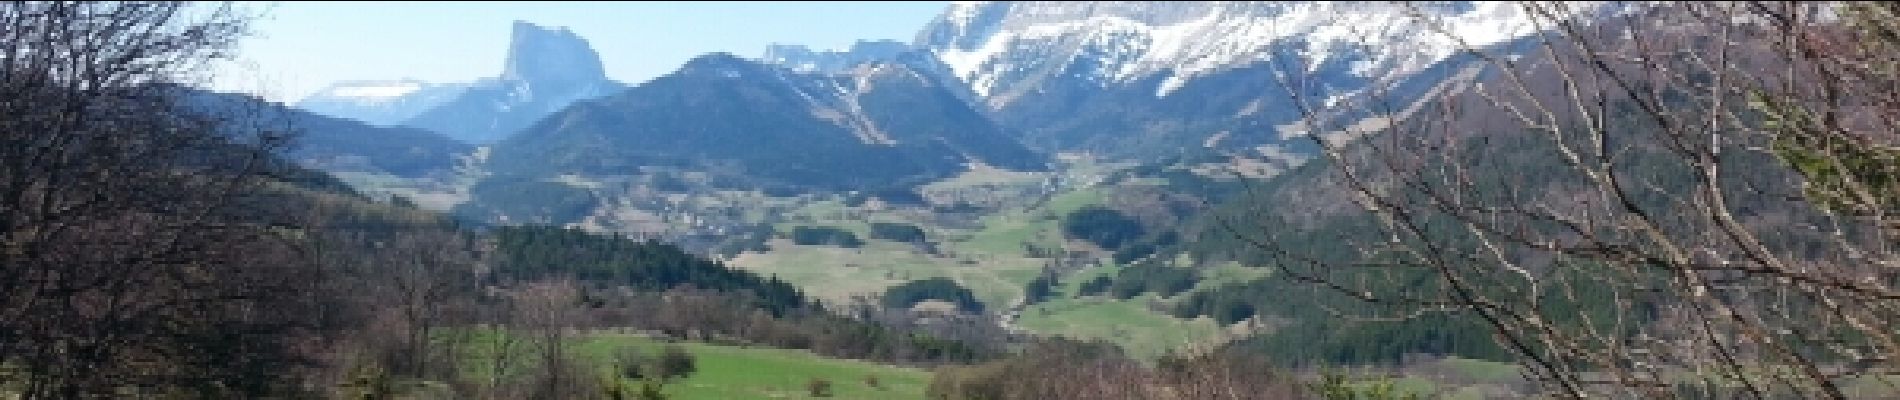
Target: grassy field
[
  {"x": 730, "y": 372},
  {"x": 426, "y": 193},
  {"x": 1228, "y": 273},
  {"x": 1141, "y": 332},
  {"x": 727, "y": 372},
  {"x": 834, "y": 274},
  {"x": 991, "y": 261}
]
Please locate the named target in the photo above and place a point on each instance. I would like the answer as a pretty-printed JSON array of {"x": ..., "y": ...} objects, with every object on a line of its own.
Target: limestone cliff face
[{"x": 547, "y": 69}]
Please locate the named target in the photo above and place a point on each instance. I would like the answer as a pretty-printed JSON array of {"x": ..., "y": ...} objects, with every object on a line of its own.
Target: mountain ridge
[
  {"x": 546, "y": 70},
  {"x": 810, "y": 126},
  {"x": 380, "y": 102},
  {"x": 1148, "y": 81}
]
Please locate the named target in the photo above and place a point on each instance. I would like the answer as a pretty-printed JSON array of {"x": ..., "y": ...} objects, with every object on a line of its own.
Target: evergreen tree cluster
[
  {"x": 538, "y": 252},
  {"x": 918, "y": 291},
  {"x": 526, "y": 199},
  {"x": 1039, "y": 289},
  {"x": 825, "y": 236},
  {"x": 1102, "y": 226},
  {"x": 1095, "y": 287},
  {"x": 897, "y": 232}
]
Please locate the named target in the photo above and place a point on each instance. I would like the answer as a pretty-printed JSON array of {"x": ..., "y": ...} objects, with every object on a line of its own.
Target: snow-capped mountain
[
  {"x": 1156, "y": 79},
  {"x": 804, "y": 59},
  {"x": 546, "y": 70},
  {"x": 379, "y": 102},
  {"x": 992, "y": 44}
]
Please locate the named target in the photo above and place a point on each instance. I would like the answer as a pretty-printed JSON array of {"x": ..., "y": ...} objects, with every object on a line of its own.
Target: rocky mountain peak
[
  {"x": 550, "y": 56},
  {"x": 803, "y": 59}
]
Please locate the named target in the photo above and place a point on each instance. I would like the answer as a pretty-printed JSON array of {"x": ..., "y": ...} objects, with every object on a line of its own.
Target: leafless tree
[
  {"x": 1656, "y": 199},
  {"x": 132, "y": 260},
  {"x": 1061, "y": 370},
  {"x": 550, "y": 312},
  {"x": 429, "y": 276},
  {"x": 503, "y": 348}
]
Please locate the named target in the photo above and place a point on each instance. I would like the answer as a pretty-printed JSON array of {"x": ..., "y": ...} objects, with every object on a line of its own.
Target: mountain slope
[
  {"x": 879, "y": 126},
  {"x": 336, "y": 144},
  {"x": 546, "y": 70},
  {"x": 379, "y": 102}
]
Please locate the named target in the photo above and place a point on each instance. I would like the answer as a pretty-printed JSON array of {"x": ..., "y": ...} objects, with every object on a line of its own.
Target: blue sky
[{"x": 299, "y": 47}]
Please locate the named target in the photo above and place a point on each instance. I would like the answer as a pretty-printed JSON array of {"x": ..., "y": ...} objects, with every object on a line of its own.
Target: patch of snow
[
  {"x": 961, "y": 12},
  {"x": 376, "y": 92},
  {"x": 967, "y": 63}
]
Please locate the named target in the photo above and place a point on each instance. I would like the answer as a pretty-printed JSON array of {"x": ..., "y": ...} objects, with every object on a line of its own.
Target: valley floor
[
  {"x": 743, "y": 372},
  {"x": 733, "y": 372}
]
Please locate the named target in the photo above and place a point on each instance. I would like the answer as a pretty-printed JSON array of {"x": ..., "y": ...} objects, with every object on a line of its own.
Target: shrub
[
  {"x": 1095, "y": 286},
  {"x": 897, "y": 232},
  {"x": 818, "y": 387},
  {"x": 675, "y": 362},
  {"x": 629, "y": 363}
]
